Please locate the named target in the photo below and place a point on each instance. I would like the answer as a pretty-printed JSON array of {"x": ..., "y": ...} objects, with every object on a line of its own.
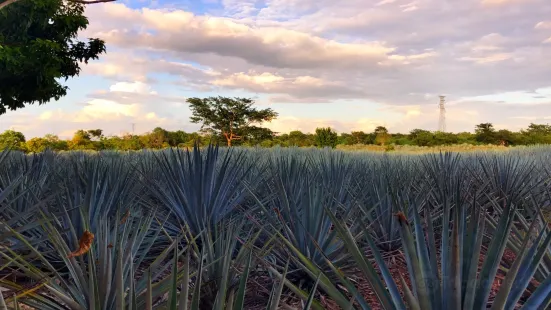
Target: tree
[
  {"x": 12, "y": 139},
  {"x": 38, "y": 48},
  {"x": 485, "y": 133},
  {"x": 421, "y": 137},
  {"x": 82, "y": 140},
  {"x": 8, "y": 2},
  {"x": 381, "y": 135},
  {"x": 95, "y": 134},
  {"x": 37, "y": 145},
  {"x": 326, "y": 137},
  {"x": 505, "y": 137},
  {"x": 232, "y": 118},
  {"x": 360, "y": 137}
]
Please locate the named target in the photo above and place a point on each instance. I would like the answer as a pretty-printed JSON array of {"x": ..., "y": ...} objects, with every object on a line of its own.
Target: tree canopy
[
  {"x": 326, "y": 137},
  {"x": 39, "y": 48},
  {"x": 160, "y": 138},
  {"x": 231, "y": 118}
]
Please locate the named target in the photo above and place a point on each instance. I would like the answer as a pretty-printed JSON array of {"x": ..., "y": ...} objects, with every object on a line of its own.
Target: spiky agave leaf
[{"x": 200, "y": 187}]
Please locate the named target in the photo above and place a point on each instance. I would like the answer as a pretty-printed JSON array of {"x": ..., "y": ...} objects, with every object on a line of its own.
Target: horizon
[{"x": 351, "y": 66}]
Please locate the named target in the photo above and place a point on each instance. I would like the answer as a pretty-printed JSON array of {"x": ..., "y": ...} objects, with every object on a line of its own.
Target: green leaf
[
  {"x": 312, "y": 294},
  {"x": 149, "y": 292},
  {"x": 363, "y": 264},
  {"x": 2, "y": 302},
  {"x": 184, "y": 292},
  {"x": 197, "y": 290},
  {"x": 240, "y": 299},
  {"x": 173, "y": 297},
  {"x": 276, "y": 296}
]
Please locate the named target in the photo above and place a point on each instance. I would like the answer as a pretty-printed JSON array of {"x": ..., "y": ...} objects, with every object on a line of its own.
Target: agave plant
[
  {"x": 94, "y": 274},
  {"x": 200, "y": 188},
  {"x": 292, "y": 215}
]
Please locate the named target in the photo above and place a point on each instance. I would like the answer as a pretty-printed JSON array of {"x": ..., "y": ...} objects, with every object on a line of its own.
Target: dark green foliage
[
  {"x": 231, "y": 118},
  {"x": 326, "y": 137},
  {"x": 485, "y": 133},
  {"x": 38, "y": 48},
  {"x": 160, "y": 138},
  {"x": 13, "y": 140}
]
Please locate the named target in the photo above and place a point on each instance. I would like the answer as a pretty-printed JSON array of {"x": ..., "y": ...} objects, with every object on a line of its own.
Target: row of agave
[{"x": 267, "y": 229}]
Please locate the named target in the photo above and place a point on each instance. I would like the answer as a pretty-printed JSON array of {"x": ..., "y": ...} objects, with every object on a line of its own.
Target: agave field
[{"x": 231, "y": 228}]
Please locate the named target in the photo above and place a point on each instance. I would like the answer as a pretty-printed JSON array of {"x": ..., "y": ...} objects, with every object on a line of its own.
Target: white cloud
[
  {"x": 396, "y": 55},
  {"x": 543, "y": 25},
  {"x": 132, "y": 87}
]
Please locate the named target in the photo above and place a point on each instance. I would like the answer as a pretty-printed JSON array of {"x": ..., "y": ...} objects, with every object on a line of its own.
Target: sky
[{"x": 349, "y": 64}]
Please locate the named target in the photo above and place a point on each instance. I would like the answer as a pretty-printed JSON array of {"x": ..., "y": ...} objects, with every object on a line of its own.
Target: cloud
[
  {"x": 184, "y": 32},
  {"x": 393, "y": 56},
  {"x": 113, "y": 110},
  {"x": 543, "y": 25},
  {"x": 299, "y": 87}
]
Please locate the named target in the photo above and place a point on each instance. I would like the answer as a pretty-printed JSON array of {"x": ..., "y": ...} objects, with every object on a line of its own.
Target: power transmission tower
[{"x": 442, "y": 119}]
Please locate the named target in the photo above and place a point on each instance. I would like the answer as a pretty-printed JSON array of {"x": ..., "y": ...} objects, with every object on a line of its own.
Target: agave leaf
[
  {"x": 312, "y": 269},
  {"x": 437, "y": 301},
  {"x": 471, "y": 281},
  {"x": 149, "y": 292},
  {"x": 505, "y": 288},
  {"x": 493, "y": 257},
  {"x": 312, "y": 294},
  {"x": 276, "y": 296},
  {"x": 366, "y": 266},
  {"x": 240, "y": 299},
  {"x": 300, "y": 293},
  {"x": 173, "y": 296},
  {"x": 184, "y": 292},
  {"x": 2, "y": 302},
  {"x": 119, "y": 280},
  {"x": 455, "y": 263},
  {"x": 431, "y": 282},
  {"x": 423, "y": 294},
  {"x": 197, "y": 290},
  {"x": 540, "y": 298},
  {"x": 410, "y": 299},
  {"x": 528, "y": 268}
]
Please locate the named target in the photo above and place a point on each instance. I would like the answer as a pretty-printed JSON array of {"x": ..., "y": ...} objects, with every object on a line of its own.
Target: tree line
[{"x": 160, "y": 138}]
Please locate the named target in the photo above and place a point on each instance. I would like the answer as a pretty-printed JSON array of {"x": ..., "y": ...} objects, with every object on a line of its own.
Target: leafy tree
[
  {"x": 49, "y": 141},
  {"x": 360, "y": 137},
  {"x": 298, "y": 138},
  {"x": 255, "y": 135},
  {"x": 232, "y": 118},
  {"x": 541, "y": 129},
  {"x": 505, "y": 137},
  {"x": 466, "y": 137},
  {"x": 485, "y": 133},
  {"x": 95, "y": 134},
  {"x": 157, "y": 139},
  {"x": 38, "y": 48},
  {"x": 326, "y": 137},
  {"x": 422, "y": 137},
  {"x": 381, "y": 135},
  {"x": 13, "y": 140},
  {"x": 536, "y": 134},
  {"x": 8, "y": 2},
  {"x": 346, "y": 139},
  {"x": 82, "y": 140},
  {"x": 380, "y": 130}
]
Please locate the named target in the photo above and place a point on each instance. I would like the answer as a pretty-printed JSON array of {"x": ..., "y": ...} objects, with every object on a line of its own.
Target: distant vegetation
[{"x": 379, "y": 140}]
